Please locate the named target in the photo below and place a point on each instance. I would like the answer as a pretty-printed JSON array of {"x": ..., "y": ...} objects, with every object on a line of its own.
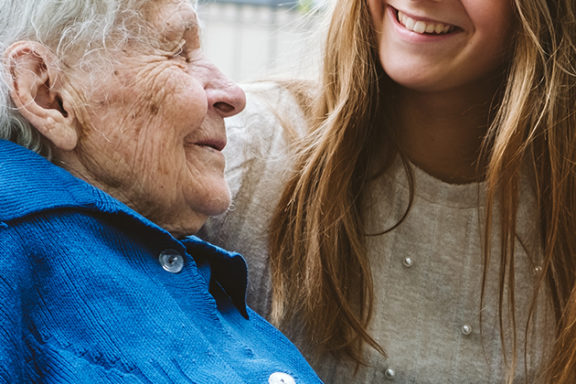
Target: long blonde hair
[{"x": 317, "y": 245}]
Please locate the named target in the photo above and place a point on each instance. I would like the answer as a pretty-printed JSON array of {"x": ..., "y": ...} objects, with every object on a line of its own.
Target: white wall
[{"x": 253, "y": 42}]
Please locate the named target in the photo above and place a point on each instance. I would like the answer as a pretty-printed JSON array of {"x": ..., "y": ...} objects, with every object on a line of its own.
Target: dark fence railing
[{"x": 270, "y": 3}]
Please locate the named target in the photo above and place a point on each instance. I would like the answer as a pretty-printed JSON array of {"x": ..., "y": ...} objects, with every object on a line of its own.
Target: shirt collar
[
  {"x": 227, "y": 268},
  {"x": 29, "y": 184}
]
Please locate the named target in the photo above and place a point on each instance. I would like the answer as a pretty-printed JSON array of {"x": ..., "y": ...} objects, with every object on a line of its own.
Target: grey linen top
[{"x": 427, "y": 272}]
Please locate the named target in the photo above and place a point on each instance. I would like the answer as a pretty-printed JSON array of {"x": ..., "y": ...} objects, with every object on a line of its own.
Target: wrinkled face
[
  {"x": 153, "y": 128},
  {"x": 432, "y": 45}
]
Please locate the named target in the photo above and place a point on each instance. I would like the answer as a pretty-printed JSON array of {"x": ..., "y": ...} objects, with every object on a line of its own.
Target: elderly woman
[{"x": 112, "y": 124}]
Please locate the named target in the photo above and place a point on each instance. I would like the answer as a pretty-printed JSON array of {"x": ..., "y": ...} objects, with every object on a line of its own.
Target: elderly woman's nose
[{"x": 226, "y": 97}]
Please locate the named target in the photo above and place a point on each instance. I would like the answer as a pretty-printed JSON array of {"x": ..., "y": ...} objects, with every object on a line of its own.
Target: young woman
[{"x": 424, "y": 232}]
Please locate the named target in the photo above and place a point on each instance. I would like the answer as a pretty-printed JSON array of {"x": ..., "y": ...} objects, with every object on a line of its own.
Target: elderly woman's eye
[{"x": 181, "y": 52}]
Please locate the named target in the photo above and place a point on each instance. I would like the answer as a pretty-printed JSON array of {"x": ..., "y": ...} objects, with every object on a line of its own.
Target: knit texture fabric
[{"x": 84, "y": 297}]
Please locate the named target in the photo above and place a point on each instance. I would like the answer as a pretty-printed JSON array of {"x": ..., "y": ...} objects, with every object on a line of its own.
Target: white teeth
[
  {"x": 408, "y": 23},
  {"x": 430, "y": 28},
  {"x": 420, "y": 26}
]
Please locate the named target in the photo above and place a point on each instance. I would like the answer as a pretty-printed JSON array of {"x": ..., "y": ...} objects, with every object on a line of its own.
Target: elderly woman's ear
[{"x": 37, "y": 93}]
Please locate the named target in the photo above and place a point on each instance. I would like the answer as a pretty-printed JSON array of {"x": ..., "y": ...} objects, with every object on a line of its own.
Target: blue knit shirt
[{"x": 93, "y": 292}]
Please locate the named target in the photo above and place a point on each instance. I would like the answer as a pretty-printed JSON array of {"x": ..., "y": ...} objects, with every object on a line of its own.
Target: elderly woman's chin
[
  {"x": 211, "y": 197},
  {"x": 215, "y": 201}
]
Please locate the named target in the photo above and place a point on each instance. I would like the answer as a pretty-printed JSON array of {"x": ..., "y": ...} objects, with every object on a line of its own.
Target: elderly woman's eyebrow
[
  {"x": 175, "y": 25},
  {"x": 187, "y": 33},
  {"x": 190, "y": 35},
  {"x": 192, "y": 25},
  {"x": 192, "y": 30}
]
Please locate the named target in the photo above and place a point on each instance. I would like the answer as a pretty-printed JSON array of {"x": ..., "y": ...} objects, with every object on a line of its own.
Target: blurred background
[{"x": 258, "y": 39}]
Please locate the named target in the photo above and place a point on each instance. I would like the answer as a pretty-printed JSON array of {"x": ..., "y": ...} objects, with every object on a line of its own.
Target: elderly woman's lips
[{"x": 212, "y": 143}]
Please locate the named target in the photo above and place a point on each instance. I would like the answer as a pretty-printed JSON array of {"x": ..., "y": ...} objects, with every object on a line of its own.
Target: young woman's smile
[
  {"x": 416, "y": 28},
  {"x": 440, "y": 45}
]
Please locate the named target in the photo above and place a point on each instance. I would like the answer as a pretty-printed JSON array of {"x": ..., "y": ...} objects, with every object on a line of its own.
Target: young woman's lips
[{"x": 421, "y": 26}]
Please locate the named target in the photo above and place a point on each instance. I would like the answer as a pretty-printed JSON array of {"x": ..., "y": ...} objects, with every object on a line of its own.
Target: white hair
[{"x": 74, "y": 30}]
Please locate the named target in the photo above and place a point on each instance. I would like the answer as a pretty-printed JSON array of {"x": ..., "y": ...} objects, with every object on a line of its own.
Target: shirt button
[
  {"x": 408, "y": 262},
  {"x": 171, "y": 261},
  {"x": 466, "y": 330},
  {"x": 389, "y": 374},
  {"x": 280, "y": 378}
]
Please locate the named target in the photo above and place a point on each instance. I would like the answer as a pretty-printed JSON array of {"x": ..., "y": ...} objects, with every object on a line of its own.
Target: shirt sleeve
[{"x": 12, "y": 272}]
